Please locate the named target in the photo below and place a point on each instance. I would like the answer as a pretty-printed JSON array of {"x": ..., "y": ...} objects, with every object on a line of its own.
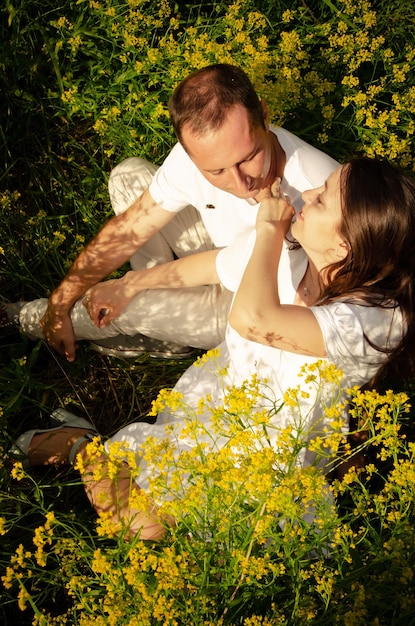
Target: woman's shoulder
[
  {"x": 358, "y": 308},
  {"x": 354, "y": 322},
  {"x": 356, "y": 336}
]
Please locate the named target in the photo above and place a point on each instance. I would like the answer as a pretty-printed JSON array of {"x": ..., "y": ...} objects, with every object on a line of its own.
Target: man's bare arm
[{"x": 112, "y": 247}]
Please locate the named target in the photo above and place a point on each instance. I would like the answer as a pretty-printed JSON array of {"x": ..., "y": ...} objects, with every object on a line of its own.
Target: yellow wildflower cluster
[
  {"x": 340, "y": 66},
  {"x": 167, "y": 398},
  {"x": 8, "y": 200},
  {"x": 43, "y": 537},
  {"x": 17, "y": 471},
  {"x": 100, "y": 461},
  {"x": 248, "y": 518}
]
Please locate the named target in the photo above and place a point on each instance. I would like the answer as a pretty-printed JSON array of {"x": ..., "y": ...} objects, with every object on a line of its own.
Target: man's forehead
[
  {"x": 217, "y": 149},
  {"x": 212, "y": 157}
]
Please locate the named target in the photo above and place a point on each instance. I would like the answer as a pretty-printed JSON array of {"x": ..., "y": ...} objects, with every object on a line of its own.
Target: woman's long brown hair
[{"x": 378, "y": 222}]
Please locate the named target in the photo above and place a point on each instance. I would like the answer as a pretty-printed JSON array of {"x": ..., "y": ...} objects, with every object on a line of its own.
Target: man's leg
[
  {"x": 32, "y": 313},
  {"x": 195, "y": 317},
  {"x": 127, "y": 181},
  {"x": 185, "y": 234},
  {"x": 192, "y": 317}
]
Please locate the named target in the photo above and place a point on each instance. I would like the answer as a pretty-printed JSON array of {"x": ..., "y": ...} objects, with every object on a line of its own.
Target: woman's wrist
[
  {"x": 271, "y": 229},
  {"x": 132, "y": 282}
]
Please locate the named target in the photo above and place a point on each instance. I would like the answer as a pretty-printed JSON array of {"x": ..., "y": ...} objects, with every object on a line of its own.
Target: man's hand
[
  {"x": 58, "y": 332},
  {"x": 115, "y": 243},
  {"x": 106, "y": 301}
]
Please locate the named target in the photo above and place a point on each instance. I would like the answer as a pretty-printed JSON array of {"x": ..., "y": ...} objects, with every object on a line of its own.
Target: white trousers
[{"x": 193, "y": 317}]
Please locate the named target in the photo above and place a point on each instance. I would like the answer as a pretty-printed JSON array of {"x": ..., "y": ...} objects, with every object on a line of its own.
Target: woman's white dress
[{"x": 343, "y": 325}]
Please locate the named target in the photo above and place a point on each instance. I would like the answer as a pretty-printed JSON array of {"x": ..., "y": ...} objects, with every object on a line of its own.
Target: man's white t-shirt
[{"x": 178, "y": 183}]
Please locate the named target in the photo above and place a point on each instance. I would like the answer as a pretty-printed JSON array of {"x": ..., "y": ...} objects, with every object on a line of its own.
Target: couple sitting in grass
[
  {"x": 289, "y": 259},
  {"x": 336, "y": 285}
]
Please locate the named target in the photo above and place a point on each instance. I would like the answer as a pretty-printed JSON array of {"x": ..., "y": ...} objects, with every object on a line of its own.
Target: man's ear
[{"x": 265, "y": 113}]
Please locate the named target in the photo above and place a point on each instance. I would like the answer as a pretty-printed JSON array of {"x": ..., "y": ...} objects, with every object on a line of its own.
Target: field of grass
[{"x": 85, "y": 84}]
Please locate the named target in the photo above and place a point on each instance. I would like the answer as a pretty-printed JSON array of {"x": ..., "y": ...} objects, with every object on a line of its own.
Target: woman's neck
[{"x": 311, "y": 286}]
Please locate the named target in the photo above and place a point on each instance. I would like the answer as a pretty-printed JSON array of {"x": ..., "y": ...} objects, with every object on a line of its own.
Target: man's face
[{"x": 235, "y": 158}]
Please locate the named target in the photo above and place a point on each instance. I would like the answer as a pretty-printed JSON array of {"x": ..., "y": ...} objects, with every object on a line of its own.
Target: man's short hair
[{"x": 202, "y": 100}]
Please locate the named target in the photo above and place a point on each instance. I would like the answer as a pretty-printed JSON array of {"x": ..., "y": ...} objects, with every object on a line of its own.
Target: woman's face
[{"x": 317, "y": 227}]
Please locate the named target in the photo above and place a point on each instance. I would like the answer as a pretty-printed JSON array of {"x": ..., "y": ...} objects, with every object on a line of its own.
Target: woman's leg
[
  {"x": 107, "y": 495},
  {"x": 114, "y": 497}
]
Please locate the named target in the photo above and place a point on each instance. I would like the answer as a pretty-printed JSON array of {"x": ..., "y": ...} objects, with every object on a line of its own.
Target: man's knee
[
  {"x": 133, "y": 167},
  {"x": 128, "y": 180}
]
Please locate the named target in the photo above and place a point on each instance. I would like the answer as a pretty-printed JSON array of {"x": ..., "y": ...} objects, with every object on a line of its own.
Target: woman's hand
[
  {"x": 107, "y": 300},
  {"x": 275, "y": 207}
]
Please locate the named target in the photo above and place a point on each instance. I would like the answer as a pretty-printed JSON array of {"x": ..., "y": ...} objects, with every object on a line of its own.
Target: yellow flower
[
  {"x": 288, "y": 15},
  {"x": 22, "y": 597},
  {"x": 63, "y": 22},
  {"x": 17, "y": 472},
  {"x": 107, "y": 526},
  {"x": 167, "y": 399},
  {"x": 100, "y": 127},
  {"x": 69, "y": 94}
]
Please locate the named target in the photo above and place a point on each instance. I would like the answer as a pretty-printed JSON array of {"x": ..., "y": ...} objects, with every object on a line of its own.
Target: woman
[{"x": 344, "y": 292}]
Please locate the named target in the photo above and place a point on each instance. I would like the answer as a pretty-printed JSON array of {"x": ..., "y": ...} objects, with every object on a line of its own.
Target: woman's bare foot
[{"x": 54, "y": 447}]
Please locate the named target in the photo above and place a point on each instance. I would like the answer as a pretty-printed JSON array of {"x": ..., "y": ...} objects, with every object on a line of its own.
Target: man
[{"x": 205, "y": 194}]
